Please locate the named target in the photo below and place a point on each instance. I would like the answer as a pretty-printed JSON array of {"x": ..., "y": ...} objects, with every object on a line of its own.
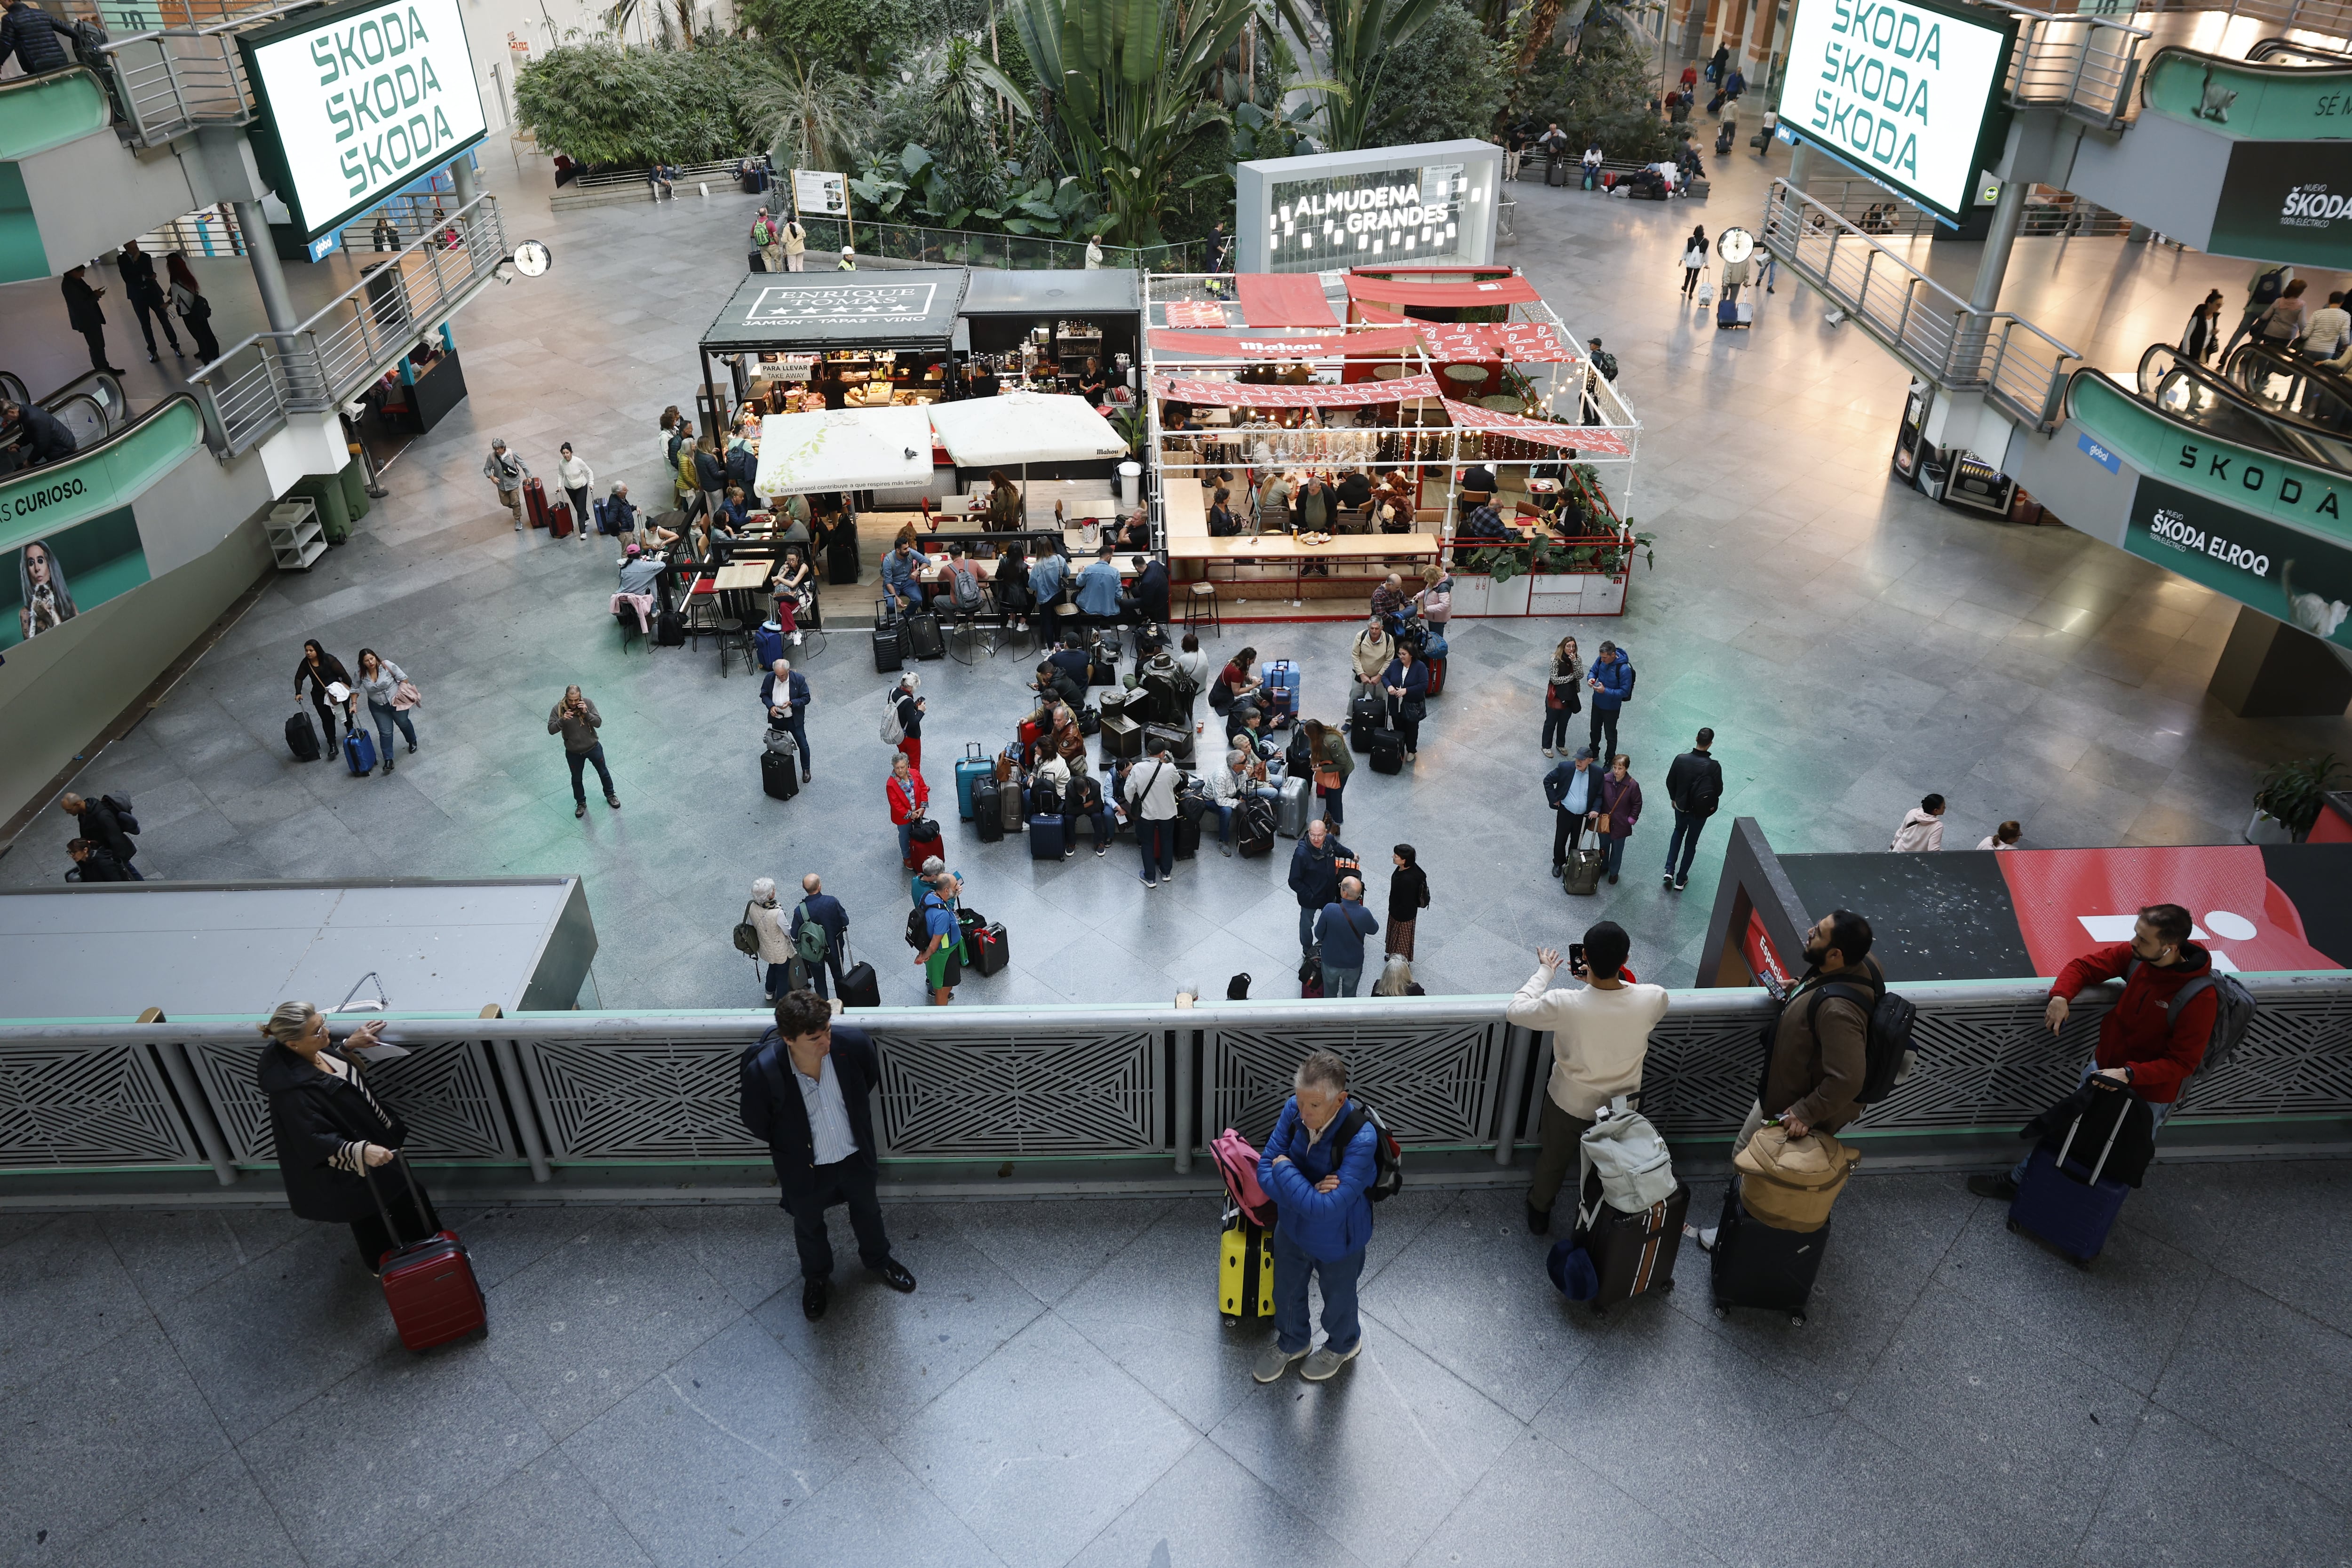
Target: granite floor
[
  {"x": 1854, "y": 647},
  {"x": 199, "y": 1389}
]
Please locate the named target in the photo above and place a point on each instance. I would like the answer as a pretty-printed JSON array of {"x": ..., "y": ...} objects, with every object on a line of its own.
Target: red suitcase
[
  {"x": 1436, "y": 669},
  {"x": 534, "y": 502},
  {"x": 429, "y": 1285},
  {"x": 559, "y": 519}
]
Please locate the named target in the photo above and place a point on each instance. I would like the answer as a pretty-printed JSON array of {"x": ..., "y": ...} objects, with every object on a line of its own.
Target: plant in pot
[{"x": 2291, "y": 795}]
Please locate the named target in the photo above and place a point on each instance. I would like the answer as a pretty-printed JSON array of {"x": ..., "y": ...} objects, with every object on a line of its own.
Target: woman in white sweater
[{"x": 579, "y": 483}]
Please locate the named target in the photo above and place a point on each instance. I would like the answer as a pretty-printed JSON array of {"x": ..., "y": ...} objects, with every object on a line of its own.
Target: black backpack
[
  {"x": 2269, "y": 286},
  {"x": 122, "y": 807},
  {"x": 1887, "y": 1054},
  {"x": 1605, "y": 363},
  {"x": 1387, "y": 1158}
]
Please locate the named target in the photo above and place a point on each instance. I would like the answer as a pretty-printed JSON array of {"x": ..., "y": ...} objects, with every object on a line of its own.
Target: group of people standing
[
  {"x": 1593, "y": 788},
  {"x": 152, "y": 302}
]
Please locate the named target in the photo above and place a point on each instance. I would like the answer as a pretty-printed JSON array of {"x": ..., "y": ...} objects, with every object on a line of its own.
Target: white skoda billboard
[
  {"x": 358, "y": 100},
  {"x": 1907, "y": 91}
]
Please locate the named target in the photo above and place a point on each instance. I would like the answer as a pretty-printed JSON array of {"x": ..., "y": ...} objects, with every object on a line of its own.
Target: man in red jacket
[{"x": 2140, "y": 1044}]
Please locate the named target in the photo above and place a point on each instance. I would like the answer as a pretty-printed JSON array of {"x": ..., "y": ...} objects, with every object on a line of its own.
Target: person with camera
[
  {"x": 576, "y": 719},
  {"x": 1599, "y": 1037}
]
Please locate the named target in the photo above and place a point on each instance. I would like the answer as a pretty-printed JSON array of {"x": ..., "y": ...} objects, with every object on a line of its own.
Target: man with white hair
[
  {"x": 507, "y": 473},
  {"x": 785, "y": 696},
  {"x": 1322, "y": 1156}
]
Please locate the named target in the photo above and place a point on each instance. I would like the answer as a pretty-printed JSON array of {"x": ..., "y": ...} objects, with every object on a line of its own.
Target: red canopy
[
  {"x": 1333, "y": 344},
  {"x": 1196, "y": 313},
  {"x": 1586, "y": 440},
  {"x": 1514, "y": 289},
  {"x": 1521, "y": 342},
  {"x": 1254, "y": 394},
  {"x": 1283, "y": 300}
]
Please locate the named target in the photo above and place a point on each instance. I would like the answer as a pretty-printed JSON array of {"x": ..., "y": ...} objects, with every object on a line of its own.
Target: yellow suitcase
[{"x": 1244, "y": 1270}]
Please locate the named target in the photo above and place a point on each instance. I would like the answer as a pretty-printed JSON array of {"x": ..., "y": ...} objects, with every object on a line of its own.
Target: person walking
[
  {"x": 31, "y": 35},
  {"x": 776, "y": 949},
  {"x": 195, "y": 311},
  {"x": 2263, "y": 289},
  {"x": 506, "y": 473},
  {"x": 909, "y": 798},
  {"x": 768, "y": 241},
  {"x": 807, "y": 1092},
  {"x": 1315, "y": 1166},
  {"x": 1151, "y": 800},
  {"x": 822, "y": 909},
  {"x": 389, "y": 697},
  {"x": 1621, "y": 807},
  {"x": 1599, "y": 1037},
  {"x": 2005, "y": 837},
  {"x": 1317, "y": 864},
  {"x": 943, "y": 954},
  {"x": 1339, "y": 932},
  {"x": 146, "y": 296},
  {"x": 102, "y": 823},
  {"x": 333, "y": 1134},
  {"x": 2203, "y": 333},
  {"x": 1406, "y": 682},
  {"x": 91, "y": 863},
  {"x": 785, "y": 696},
  {"x": 82, "y": 312},
  {"x": 1563, "y": 697},
  {"x": 1328, "y": 757},
  {"x": 576, "y": 719},
  {"x": 1694, "y": 259},
  {"x": 1923, "y": 827},
  {"x": 579, "y": 483},
  {"x": 331, "y": 694},
  {"x": 1408, "y": 896},
  {"x": 1694, "y": 788},
  {"x": 1610, "y": 681},
  {"x": 910, "y": 719}
]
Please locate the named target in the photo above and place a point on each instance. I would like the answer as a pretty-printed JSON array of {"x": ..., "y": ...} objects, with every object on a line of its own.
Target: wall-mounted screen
[
  {"x": 1907, "y": 91},
  {"x": 357, "y": 100}
]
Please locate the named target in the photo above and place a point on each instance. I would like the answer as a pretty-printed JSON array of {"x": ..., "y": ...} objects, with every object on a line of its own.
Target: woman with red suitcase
[{"x": 332, "y": 1131}]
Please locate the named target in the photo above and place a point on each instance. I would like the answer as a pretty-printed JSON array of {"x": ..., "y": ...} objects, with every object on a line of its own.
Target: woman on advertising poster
[{"x": 41, "y": 587}]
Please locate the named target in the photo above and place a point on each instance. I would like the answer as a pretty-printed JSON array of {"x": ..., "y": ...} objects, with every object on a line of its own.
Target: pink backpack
[{"x": 1237, "y": 1163}]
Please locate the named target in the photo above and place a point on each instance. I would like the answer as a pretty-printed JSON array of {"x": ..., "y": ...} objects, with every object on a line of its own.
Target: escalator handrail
[
  {"x": 125, "y": 432},
  {"x": 2289, "y": 363},
  {"x": 2273, "y": 425},
  {"x": 76, "y": 388},
  {"x": 2265, "y": 48}
]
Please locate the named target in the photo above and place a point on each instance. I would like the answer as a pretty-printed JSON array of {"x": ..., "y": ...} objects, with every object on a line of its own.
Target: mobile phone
[{"x": 1576, "y": 958}]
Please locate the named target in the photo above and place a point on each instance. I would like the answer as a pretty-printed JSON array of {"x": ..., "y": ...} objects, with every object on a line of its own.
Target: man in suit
[
  {"x": 146, "y": 296},
  {"x": 806, "y": 1089},
  {"x": 83, "y": 314}
]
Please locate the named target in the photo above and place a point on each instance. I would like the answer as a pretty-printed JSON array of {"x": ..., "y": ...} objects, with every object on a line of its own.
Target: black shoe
[
  {"x": 151, "y": 358},
  {"x": 1612, "y": 879},
  {"x": 1538, "y": 1220},
  {"x": 1559, "y": 867},
  {"x": 613, "y": 801},
  {"x": 115, "y": 369},
  {"x": 1680, "y": 883},
  {"x": 1998, "y": 1186},
  {"x": 814, "y": 1294},
  {"x": 1670, "y": 881},
  {"x": 412, "y": 748},
  {"x": 894, "y": 1274},
  {"x": 580, "y": 808}
]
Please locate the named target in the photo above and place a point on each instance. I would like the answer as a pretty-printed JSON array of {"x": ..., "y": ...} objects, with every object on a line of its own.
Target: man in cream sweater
[{"x": 1600, "y": 1033}]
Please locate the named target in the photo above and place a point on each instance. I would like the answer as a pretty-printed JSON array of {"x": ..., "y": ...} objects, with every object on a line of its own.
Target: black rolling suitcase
[
  {"x": 859, "y": 988},
  {"x": 1756, "y": 1265},
  {"x": 987, "y": 809},
  {"x": 989, "y": 949},
  {"x": 302, "y": 737},
  {"x": 1254, "y": 828},
  {"x": 1045, "y": 837},
  {"x": 1368, "y": 715},
  {"x": 780, "y": 771},
  {"x": 758, "y": 262},
  {"x": 1188, "y": 836},
  {"x": 1388, "y": 752},
  {"x": 889, "y": 654},
  {"x": 924, "y": 639},
  {"x": 1556, "y": 172},
  {"x": 841, "y": 563}
]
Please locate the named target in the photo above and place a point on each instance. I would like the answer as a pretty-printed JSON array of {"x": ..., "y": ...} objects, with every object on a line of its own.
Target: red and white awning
[
  {"x": 1260, "y": 395},
  {"x": 1585, "y": 440}
]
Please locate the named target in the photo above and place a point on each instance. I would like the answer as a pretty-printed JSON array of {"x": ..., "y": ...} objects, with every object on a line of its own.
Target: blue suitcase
[
  {"x": 359, "y": 753},
  {"x": 1280, "y": 677},
  {"x": 2071, "y": 1208},
  {"x": 1045, "y": 837},
  {"x": 974, "y": 764}
]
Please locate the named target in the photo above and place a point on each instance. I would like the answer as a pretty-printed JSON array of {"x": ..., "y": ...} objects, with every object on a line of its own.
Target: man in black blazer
[{"x": 805, "y": 1093}]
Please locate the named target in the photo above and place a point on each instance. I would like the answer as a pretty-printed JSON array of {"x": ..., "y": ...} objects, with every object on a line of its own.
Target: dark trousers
[
  {"x": 844, "y": 1182},
  {"x": 1158, "y": 840},
  {"x": 797, "y": 726},
  {"x": 1407, "y": 725},
  {"x": 1331, "y": 812},
  {"x": 148, "y": 312},
  {"x": 330, "y": 734},
  {"x": 1562, "y": 1134},
  {"x": 201, "y": 329},
  {"x": 1555, "y": 727},
  {"x": 412, "y": 1223},
  {"x": 1683, "y": 844},
  {"x": 1566, "y": 828},
  {"x": 779, "y": 975},
  {"x": 96, "y": 338},
  {"x": 583, "y": 516},
  {"x": 1603, "y": 719},
  {"x": 579, "y": 760}
]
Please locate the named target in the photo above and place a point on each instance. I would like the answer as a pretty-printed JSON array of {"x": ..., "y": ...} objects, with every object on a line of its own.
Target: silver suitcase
[{"x": 1290, "y": 811}]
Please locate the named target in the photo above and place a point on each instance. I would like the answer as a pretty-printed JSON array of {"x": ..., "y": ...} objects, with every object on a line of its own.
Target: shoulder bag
[{"x": 404, "y": 696}]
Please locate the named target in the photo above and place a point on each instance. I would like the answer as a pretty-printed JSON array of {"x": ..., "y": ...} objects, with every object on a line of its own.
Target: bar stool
[
  {"x": 1066, "y": 616},
  {"x": 1201, "y": 608}
]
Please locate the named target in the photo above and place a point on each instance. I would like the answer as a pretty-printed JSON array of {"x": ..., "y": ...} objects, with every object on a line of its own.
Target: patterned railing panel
[
  {"x": 77, "y": 1103},
  {"x": 640, "y": 1100},
  {"x": 444, "y": 1090},
  {"x": 1435, "y": 1082},
  {"x": 1084, "y": 1093}
]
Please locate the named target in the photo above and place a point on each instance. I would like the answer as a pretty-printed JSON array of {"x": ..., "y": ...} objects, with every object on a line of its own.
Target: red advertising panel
[{"x": 2070, "y": 900}]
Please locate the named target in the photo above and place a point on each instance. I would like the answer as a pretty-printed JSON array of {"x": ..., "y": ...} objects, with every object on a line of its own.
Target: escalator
[
  {"x": 2290, "y": 52},
  {"x": 2288, "y": 384},
  {"x": 93, "y": 406},
  {"x": 2194, "y": 394}
]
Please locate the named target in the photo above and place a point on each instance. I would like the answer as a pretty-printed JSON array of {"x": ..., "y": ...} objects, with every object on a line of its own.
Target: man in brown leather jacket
[{"x": 1820, "y": 1049}]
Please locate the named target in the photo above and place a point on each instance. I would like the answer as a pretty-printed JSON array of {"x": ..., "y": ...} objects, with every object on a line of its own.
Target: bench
[{"x": 613, "y": 186}]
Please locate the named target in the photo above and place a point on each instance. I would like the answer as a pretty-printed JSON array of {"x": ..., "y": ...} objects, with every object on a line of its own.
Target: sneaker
[
  {"x": 1680, "y": 883},
  {"x": 580, "y": 808},
  {"x": 1326, "y": 1363},
  {"x": 796, "y": 639},
  {"x": 1670, "y": 881},
  {"x": 412, "y": 748},
  {"x": 1705, "y": 1239},
  {"x": 1225, "y": 850},
  {"x": 1998, "y": 1186},
  {"x": 152, "y": 360},
  {"x": 1273, "y": 1361},
  {"x": 1101, "y": 850},
  {"x": 1150, "y": 880},
  {"x": 1549, "y": 752}
]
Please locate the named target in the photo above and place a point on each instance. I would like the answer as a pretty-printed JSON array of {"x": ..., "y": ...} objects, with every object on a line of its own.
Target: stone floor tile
[
  {"x": 172, "y": 1253},
  {"x": 1540, "y": 1508},
  {"x": 544, "y": 1512},
  {"x": 1050, "y": 1257},
  {"x": 2283, "y": 1227},
  {"x": 877, "y": 1516},
  {"x": 216, "y": 1514},
  {"x": 1207, "y": 1511},
  {"x": 2184, "y": 1497},
  {"x": 62, "y": 1290},
  {"x": 2246, "y": 1352}
]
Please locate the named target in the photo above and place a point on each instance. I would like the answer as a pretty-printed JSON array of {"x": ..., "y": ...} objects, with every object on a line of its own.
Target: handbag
[
  {"x": 1327, "y": 779},
  {"x": 1601, "y": 824},
  {"x": 1551, "y": 697},
  {"x": 1694, "y": 258},
  {"x": 404, "y": 696}
]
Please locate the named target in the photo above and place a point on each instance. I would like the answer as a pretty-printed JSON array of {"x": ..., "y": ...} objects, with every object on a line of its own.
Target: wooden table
[{"x": 1283, "y": 550}]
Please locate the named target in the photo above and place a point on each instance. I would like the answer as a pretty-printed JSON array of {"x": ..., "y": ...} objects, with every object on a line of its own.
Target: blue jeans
[
  {"x": 1331, "y": 805},
  {"x": 907, "y": 840},
  {"x": 1224, "y": 822},
  {"x": 1687, "y": 828},
  {"x": 797, "y": 727},
  {"x": 1614, "y": 853},
  {"x": 385, "y": 717},
  {"x": 1306, "y": 918},
  {"x": 2156, "y": 1113},
  {"x": 579, "y": 760},
  {"x": 1158, "y": 840},
  {"x": 1341, "y": 982},
  {"x": 1292, "y": 1267}
]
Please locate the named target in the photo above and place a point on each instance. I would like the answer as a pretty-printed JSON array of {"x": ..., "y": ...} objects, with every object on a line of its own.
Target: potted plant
[{"x": 2291, "y": 795}]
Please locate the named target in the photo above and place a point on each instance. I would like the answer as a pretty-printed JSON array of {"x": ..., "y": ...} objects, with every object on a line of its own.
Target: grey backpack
[
  {"x": 1636, "y": 1171},
  {"x": 2233, "y": 1014}
]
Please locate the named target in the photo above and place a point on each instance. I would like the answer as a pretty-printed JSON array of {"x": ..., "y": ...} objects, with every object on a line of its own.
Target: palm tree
[
  {"x": 810, "y": 114},
  {"x": 622, "y": 12},
  {"x": 1367, "y": 40}
]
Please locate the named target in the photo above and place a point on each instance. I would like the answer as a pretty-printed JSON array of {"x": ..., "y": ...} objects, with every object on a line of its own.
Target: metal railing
[
  {"x": 2204, "y": 398},
  {"x": 246, "y": 393},
  {"x": 974, "y": 247},
  {"x": 1872, "y": 208},
  {"x": 212, "y": 231},
  {"x": 186, "y": 72},
  {"x": 594, "y": 189},
  {"x": 1107, "y": 1089},
  {"x": 2083, "y": 64},
  {"x": 2327, "y": 18},
  {"x": 2015, "y": 364}
]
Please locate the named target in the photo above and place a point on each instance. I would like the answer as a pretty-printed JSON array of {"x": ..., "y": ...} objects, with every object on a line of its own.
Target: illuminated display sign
[
  {"x": 1905, "y": 90},
  {"x": 1433, "y": 203},
  {"x": 358, "y": 100}
]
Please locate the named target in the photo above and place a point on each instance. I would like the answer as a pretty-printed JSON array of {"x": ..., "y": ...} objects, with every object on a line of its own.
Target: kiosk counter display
[
  {"x": 885, "y": 336},
  {"x": 1038, "y": 328}
]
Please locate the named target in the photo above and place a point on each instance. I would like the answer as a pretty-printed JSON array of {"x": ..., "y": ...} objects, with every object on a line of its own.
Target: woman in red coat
[
  {"x": 1620, "y": 804},
  {"x": 909, "y": 796}
]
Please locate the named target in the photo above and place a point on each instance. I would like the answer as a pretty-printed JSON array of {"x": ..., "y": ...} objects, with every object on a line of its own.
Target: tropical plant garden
[{"x": 1120, "y": 119}]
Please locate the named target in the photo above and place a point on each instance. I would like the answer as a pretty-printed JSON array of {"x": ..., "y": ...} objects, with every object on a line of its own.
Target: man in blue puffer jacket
[
  {"x": 1611, "y": 680},
  {"x": 1326, "y": 1220}
]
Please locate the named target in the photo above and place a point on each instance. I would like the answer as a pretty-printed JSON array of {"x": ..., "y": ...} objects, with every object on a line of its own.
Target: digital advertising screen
[
  {"x": 358, "y": 99},
  {"x": 1905, "y": 90}
]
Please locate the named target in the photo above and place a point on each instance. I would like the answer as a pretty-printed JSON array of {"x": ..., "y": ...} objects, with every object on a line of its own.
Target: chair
[
  {"x": 1201, "y": 608},
  {"x": 628, "y": 618}
]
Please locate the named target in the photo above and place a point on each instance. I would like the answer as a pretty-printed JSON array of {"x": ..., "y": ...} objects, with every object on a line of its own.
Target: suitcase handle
[{"x": 415, "y": 1196}]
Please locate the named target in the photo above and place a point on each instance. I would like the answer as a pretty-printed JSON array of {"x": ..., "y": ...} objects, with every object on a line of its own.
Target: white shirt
[
  {"x": 828, "y": 1114},
  {"x": 2325, "y": 331},
  {"x": 1992, "y": 843},
  {"x": 1597, "y": 1037}
]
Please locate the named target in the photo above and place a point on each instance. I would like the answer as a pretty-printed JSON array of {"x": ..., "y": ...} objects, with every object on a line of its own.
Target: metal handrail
[
  {"x": 2084, "y": 65},
  {"x": 323, "y": 362},
  {"x": 2016, "y": 364},
  {"x": 2324, "y": 396},
  {"x": 93, "y": 406},
  {"x": 2328, "y": 18},
  {"x": 2191, "y": 393}
]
